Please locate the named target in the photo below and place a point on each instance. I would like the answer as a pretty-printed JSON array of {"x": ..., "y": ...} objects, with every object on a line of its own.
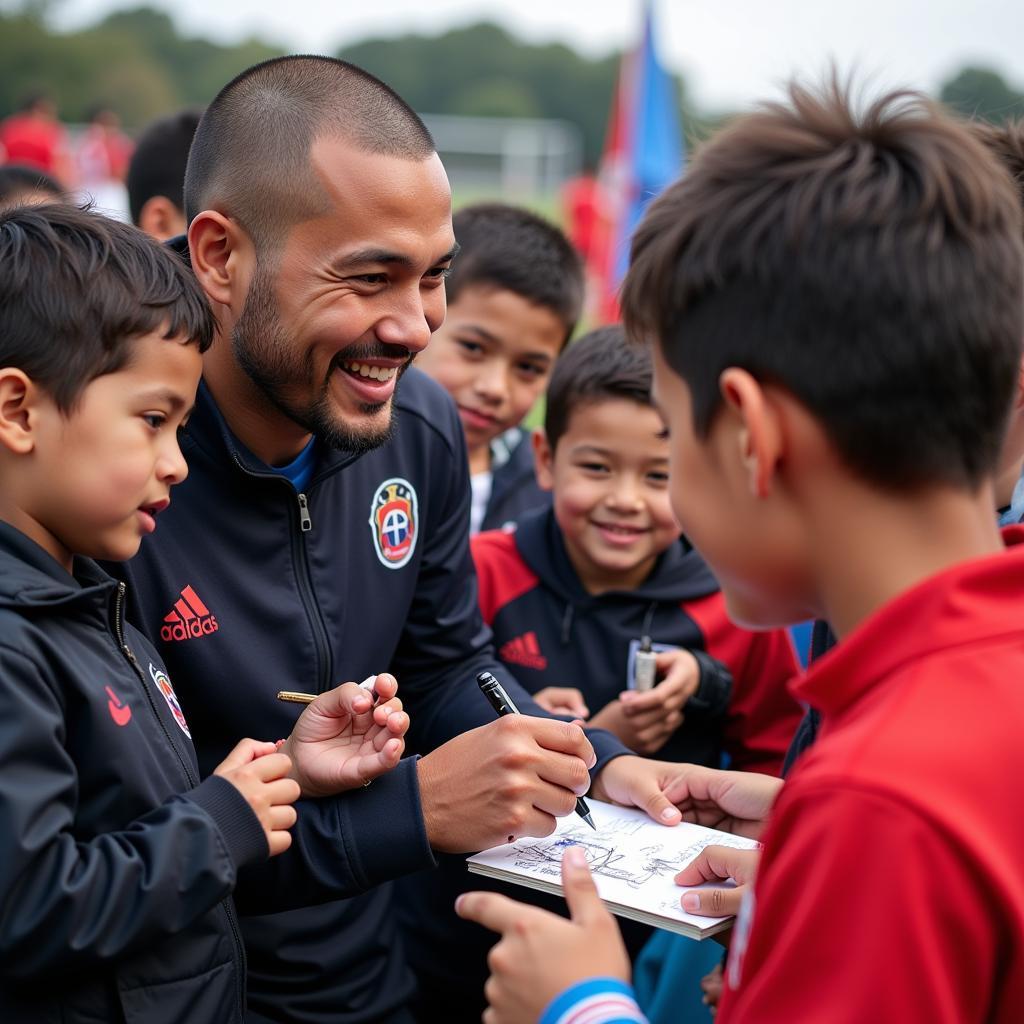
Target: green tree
[{"x": 984, "y": 93}]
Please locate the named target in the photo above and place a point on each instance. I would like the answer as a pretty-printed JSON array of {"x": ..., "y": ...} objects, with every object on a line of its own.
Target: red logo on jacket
[
  {"x": 523, "y": 650},
  {"x": 120, "y": 712},
  {"x": 189, "y": 619}
]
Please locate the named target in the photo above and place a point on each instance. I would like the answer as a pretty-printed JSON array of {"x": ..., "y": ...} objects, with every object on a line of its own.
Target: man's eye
[
  {"x": 372, "y": 278},
  {"x": 439, "y": 272}
]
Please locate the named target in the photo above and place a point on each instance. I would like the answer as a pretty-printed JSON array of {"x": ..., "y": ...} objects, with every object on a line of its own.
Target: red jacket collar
[{"x": 970, "y": 601}]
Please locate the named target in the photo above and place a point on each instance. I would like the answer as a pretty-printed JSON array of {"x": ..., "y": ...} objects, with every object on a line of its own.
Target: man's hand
[
  {"x": 716, "y": 863},
  {"x": 510, "y": 778},
  {"x": 562, "y": 700},
  {"x": 341, "y": 741},
  {"x": 258, "y": 773},
  {"x": 540, "y": 954},
  {"x": 645, "y": 720},
  {"x": 737, "y": 802}
]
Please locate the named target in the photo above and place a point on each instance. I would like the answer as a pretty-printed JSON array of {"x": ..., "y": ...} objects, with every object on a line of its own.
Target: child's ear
[
  {"x": 758, "y": 431},
  {"x": 19, "y": 399},
  {"x": 160, "y": 218},
  {"x": 222, "y": 255},
  {"x": 543, "y": 456}
]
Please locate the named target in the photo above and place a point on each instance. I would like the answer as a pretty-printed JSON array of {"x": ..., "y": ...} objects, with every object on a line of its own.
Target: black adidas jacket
[
  {"x": 368, "y": 571},
  {"x": 551, "y": 632},
  {"x": 116, "y": 863}
]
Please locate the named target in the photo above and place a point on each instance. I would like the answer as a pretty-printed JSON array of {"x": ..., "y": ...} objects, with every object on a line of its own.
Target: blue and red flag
[{"x": 643, "y": 153}]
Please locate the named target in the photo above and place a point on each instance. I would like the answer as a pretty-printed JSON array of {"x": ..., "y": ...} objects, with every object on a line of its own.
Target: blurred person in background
[{"x": 156, "y": 175}]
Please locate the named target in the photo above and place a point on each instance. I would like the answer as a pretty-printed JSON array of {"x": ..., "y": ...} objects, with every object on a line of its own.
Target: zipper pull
[
  {"x": 122, "y": 589},
  {"x": 304, "y": 520}
]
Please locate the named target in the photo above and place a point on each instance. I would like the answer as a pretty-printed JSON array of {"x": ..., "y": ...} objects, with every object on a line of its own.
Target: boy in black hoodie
[
  {"x": 577, "y": 591},
  {"x": 116, "y": 863}
]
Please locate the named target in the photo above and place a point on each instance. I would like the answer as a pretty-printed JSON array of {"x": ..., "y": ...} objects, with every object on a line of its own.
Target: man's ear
[
  {"x": 161, "y": 219},
  {"x": 19, "y": 400},
  {"x": 543, "y": 457},
  {"x": 220, "y": 252},
  {"x": 759, "y": 432}
]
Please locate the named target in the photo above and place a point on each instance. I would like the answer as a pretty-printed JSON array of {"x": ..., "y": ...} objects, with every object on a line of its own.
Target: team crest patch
[
  {"x": 394, "y": 522},
  {"x": 163, "y": 684}
]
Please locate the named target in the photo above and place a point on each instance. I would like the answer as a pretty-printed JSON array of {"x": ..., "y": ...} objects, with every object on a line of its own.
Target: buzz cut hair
[{"x": 250, "y": 158}]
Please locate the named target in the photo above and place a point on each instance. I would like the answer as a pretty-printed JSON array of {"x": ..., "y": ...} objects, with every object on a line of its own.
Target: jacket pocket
[{"x": 211, "y": 995}]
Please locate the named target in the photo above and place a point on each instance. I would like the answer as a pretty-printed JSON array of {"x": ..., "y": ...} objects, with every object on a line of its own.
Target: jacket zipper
[
  {"x": 300, "y": 560},
  {"x": 192, "y": 779}
]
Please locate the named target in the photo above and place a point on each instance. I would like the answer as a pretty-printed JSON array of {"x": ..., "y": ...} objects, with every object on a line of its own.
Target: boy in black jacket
[
  {"x": 116, "y": 862},
  {"x": 514, "y": 296}
]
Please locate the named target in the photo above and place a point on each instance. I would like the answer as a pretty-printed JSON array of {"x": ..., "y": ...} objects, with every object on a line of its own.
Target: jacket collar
[
  {"x": 207, "y": 429},
  {"x": 30, "y": 577},
  {"x": 965, "y": 603}
]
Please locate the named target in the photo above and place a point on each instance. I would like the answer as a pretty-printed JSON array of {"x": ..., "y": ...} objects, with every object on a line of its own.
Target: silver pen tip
[{"x": 589, "y": 819}]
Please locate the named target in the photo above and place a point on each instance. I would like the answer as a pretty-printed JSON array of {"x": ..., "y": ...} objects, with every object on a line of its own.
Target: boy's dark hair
[
  {"x": 513, "y": 249},
  {"x": 869, "y": 263},
  {"x": 250, "y": 154},
  {"x": 1006, "y": 141},
  {"x": 76, "y": 288},
  {"x": 599, "y": 367},
  {"x": 158, "y": 164},
  {"x": 18, "y": 180}
]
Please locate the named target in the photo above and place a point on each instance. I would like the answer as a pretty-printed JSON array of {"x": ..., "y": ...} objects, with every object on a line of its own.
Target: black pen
[{"x": 503, "y": 705}]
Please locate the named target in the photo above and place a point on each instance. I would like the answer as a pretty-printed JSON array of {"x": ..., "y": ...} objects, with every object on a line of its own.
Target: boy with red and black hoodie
[
  {"x": 578, "y": 591},
  {"x": 117, "y": 865}
]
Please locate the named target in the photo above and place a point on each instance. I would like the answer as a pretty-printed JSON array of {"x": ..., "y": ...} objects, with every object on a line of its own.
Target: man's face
[{"x": 338, "y": 312}]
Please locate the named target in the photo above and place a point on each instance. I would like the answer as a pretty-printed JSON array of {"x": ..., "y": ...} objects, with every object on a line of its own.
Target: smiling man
[{"x": 322, "y": 532}]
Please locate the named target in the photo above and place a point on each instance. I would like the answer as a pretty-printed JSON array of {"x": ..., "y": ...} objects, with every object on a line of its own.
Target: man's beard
[{"x": 271, "y": 360}]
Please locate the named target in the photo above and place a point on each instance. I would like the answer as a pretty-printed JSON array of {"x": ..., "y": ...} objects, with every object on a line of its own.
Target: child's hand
[
  {"x": 541, "y": 954},
  {"x": 653, "y": 715},
  {"x": 711, "y": 986},
  {"x": 341, "y": 741},
  {"x": 716, "y": 863},
  {"x": 259, "y": 774},
  {"x": 562, "y": 700}
]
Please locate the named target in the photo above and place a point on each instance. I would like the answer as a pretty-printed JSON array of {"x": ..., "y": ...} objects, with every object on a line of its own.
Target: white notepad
[{"x": 633, "y": 859}]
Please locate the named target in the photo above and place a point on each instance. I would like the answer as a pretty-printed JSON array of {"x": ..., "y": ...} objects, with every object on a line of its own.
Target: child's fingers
[
  {"x": 280, "y": 817},
  {"x": 713, "y": 902},
  {"x": 281, "y": 792},
  {"x": 272, "y": 765},
  {"x": 243, "y": 752},
  {"x": 344, "y": 700},
  {"x": 279, "y": 842},
  {"x": 715, "y": 862},
  {"x": 382, "y": 712}
]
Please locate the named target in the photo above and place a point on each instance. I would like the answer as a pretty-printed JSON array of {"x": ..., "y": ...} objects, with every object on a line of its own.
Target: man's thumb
[{"x": 578, "y": 885}]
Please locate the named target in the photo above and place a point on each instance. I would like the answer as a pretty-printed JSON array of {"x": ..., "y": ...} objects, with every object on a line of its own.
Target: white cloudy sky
[{"x": 732, "y": 51}]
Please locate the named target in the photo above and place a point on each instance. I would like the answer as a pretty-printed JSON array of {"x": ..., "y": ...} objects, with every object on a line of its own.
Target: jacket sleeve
[
  {"x": 445, "y": 642},
  {"x": 343, "y": 846},
  {"x": 763, "y": 716},
  {"x": 67, "y": 902}
]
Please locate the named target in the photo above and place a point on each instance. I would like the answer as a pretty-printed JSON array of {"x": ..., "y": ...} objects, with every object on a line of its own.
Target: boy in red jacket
[{"x": 834, "y": 294}]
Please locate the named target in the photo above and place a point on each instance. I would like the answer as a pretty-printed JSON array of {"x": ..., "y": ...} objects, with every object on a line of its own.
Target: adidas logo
[
  {"x": 188, "y": 619},
  {"x": 523, "y": 650}
]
